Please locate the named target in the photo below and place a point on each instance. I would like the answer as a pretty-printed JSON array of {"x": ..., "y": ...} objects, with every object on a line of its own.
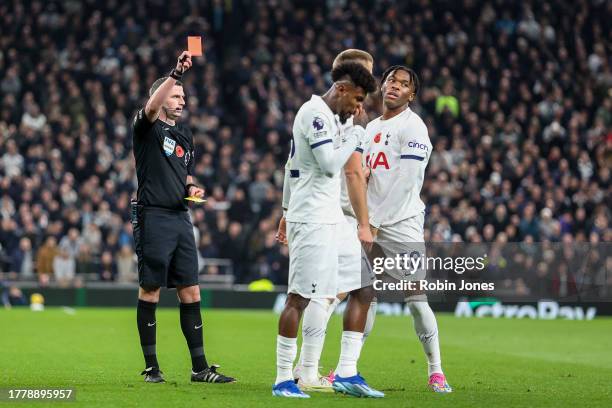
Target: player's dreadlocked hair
[
  {"x": 414, "y": 79},
  {"x": 357, "y": 73}
]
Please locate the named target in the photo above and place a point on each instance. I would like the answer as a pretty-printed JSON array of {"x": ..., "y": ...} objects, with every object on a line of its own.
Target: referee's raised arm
[{"x": 158, "y": 96}]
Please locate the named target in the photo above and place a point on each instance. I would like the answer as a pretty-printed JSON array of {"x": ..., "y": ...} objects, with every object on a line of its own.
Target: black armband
[{"x": 176, "y": 74}]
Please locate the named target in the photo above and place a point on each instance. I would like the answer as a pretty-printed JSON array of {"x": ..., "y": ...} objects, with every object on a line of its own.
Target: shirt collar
[{"x": 407, "y": 112}]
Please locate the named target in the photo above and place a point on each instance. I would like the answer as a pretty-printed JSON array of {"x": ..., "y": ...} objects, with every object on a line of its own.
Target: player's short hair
[
  {"x": 352, "y": 55},
  {"x": 414, "y": 78},
  {"x": 158, "y": 83},
  {"x": 357, "y": 74}
]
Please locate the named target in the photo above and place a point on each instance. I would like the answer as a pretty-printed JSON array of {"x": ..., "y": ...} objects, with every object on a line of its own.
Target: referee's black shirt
[{"x": 164, "y": 158}]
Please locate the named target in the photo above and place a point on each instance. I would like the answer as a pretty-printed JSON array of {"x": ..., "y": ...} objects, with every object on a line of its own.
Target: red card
[{"x": 194, "y": 46}]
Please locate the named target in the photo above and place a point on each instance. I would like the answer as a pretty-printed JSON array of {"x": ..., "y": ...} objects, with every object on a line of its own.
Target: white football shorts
[
  {"x": 313, "y": 259},
  {"x": 354, "y": 270}
]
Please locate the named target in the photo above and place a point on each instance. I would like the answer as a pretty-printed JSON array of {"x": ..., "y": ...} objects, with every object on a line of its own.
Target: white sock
[
  {"x": 349, "y": 353},
  {"x": 370, "y": 320},
  {"x": 314, "y": 327},
  {"x": 286, "y": 349},
  {"x": 426, "y": 328},
  {"x": 330, "y": 311}
]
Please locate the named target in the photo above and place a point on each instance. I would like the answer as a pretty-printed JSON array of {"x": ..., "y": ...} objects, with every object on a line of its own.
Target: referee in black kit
[{"x": 163, "y": 232}]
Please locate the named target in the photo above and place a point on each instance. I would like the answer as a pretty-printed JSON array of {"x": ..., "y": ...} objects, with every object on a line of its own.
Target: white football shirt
[
  {"x": 315, "y": 196},
  {"x": 401, "y": 142}
]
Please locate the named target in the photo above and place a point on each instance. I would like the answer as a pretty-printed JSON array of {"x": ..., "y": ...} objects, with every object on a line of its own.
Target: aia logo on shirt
[{"x": 377, "y": 160}]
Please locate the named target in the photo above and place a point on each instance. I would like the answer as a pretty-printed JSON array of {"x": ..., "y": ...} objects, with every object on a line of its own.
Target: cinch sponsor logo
[{"x": 415, "y": 144}]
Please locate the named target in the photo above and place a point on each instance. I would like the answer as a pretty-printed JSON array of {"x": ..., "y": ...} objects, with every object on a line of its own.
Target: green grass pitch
[{"x": 489, "y": 362}]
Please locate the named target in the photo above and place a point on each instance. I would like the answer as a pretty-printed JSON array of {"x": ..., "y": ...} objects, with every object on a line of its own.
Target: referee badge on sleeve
[{"x": 169, "y": 145}]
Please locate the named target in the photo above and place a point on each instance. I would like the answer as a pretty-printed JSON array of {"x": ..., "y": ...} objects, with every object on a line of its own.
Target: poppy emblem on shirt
[
  {"x": 179, "y": 151},
  {"x": 377, "y": 138}
]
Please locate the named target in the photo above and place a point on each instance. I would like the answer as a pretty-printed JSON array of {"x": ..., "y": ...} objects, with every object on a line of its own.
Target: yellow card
[{"x": 195, "y": 199}]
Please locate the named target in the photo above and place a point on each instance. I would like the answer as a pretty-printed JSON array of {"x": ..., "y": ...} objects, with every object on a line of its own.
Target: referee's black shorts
[{"x": 165, "y": 246}]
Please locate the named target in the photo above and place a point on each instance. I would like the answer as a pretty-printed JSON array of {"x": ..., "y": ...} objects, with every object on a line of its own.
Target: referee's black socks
[
  {"x": 145, "y": 317},
  {"x": 191, "y": 324}
]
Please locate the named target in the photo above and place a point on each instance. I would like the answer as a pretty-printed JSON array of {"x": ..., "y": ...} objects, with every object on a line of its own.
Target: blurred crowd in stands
[{"x": 516, "y": 95}]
